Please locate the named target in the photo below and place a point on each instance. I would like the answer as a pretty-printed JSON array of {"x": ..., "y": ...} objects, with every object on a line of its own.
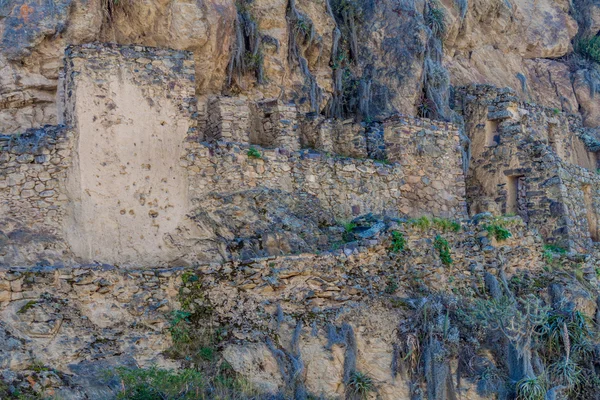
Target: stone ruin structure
[
  {"x": 93, "y": 188},
  {"x": 238, "y": 214},
  {"x": 532, "y": 161},
  {"x": 132, "y": 178}
]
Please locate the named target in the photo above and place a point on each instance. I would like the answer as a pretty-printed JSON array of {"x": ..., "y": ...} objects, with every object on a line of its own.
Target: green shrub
[
  {"x": 391, "y": 286},
  {"x": 398, "y": 242},
  {"x": 27, "y": 306},
  {"x": 550, "y": 251},
  {"x": 589, "y": 48},
  {"x": 498, "y": 231},
  {"x": 348, "y": 226},
  {"x": 446, "y": 224},
  {"x": 207, "y": 353},
  {"x": 435, "y": 19},
  {"x": 531, "y": 389},
  {"x": 359, "y": 385},
  {"x": 155, "y": 383},
  {"x": 555, "y": 249},
  {"x": 422, "y": 223},
  {"x": 180, "y": 326},
  {"x": 253, "y": 153},
  {"x": 566, "y": 372},
  {"x": 443, "y": 248},
  {"x": 253, "y": 61}
]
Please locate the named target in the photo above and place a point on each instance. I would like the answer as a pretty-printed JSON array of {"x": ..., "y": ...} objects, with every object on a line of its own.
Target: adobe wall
[
  {"x": 132, "y": 108},
  {"x": 539, "y": 147}
]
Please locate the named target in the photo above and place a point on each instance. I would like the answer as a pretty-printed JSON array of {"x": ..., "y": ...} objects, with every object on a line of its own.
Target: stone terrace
[{"x": 119, "y": 184}]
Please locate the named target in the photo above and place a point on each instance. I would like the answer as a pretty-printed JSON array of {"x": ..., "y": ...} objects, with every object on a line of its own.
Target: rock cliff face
[
  {"x": 299, "y": 199},
  {"x": 334, "y": 56}
]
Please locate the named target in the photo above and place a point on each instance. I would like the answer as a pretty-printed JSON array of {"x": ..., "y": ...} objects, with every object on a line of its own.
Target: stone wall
[
  {"x": 430, "y": 156},
  {"x": 276, "y": 125},
  {"x": 347, "y": 187},
  {"x": 273, "y": 124},
  {"x": 138, "y": 177},
  {"x": 229, "y": 120},
  {"x": 32, "y": 196},
  {"x": 315, "y": 133},
  {"x": 344, "y": 137},
  {"x": 538, "y": 154}
]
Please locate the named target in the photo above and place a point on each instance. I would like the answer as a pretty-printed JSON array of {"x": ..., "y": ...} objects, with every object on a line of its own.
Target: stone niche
[{"x": 131, "y": 108}]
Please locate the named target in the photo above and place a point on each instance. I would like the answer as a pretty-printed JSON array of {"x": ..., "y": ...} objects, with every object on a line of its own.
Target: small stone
[
  {"x": 25, "y": 158},
  {"x": 27, "y": 193},
  {"x": 47, "y": 193}
]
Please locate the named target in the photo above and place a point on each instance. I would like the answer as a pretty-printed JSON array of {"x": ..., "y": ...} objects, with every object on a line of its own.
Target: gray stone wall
[
  {"x": 542, "y": 148},
  {"x": 347, "y": 187},
  {"x": 32, "y": 197},
  {"x": 229, "y": 120},
  {"x": 131, "y": 165},
  {"x": 429, "y": 154}
]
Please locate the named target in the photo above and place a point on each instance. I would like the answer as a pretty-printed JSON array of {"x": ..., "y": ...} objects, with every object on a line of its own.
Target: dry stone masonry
[
  {"x": 430, "y": 155},
  {"x": 532, "y": 161},
  {"x": 33, "y": 169},
  {"x": 237, "y": 189},
  {"x": 135, "y": 203},
  {"x": 127, "y": 176}
]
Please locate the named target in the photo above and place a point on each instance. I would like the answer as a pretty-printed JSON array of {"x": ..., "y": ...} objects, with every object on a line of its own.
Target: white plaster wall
[{"x": 127, "y": 188}]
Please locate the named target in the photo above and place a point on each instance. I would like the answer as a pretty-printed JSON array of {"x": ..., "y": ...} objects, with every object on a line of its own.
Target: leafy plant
[
  {"x": 155, "y": 383},
  {"x": 446, "y": 224},
  {"x": 348, "y": 226},
  {"x": 555, "y": 249},
  {"x": 391, "y": 286},
  {"x": 27, "y": 306},
  {"x": 531, "y": 389},
  {"x": 435, "y": 19},
  {"x": 253, "y": 61},
  {"x": 179, "y": 326},
  {"x": 359, "y": 385},
  {"x": 551, "y": 250},
  {"x": 253, "y": 153},
  {"x": 348, "y": 234},
  {"x": 499, "y": 232},
  {"x": 426, "y": 108},
  {"x": 207, "y": 353},
  {"x": 398, "y": 242},
  {"x": 566, "y": 372},
  {"x": 589, "y": 48},
  {"x": 443, "y": 248},
  {"x": 422, "y": 223}
]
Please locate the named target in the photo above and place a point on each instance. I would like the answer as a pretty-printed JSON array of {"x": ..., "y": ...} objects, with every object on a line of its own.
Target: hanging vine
[
  {"x": 302, "y": 33},
  {"x": 246, "y": 55}
]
